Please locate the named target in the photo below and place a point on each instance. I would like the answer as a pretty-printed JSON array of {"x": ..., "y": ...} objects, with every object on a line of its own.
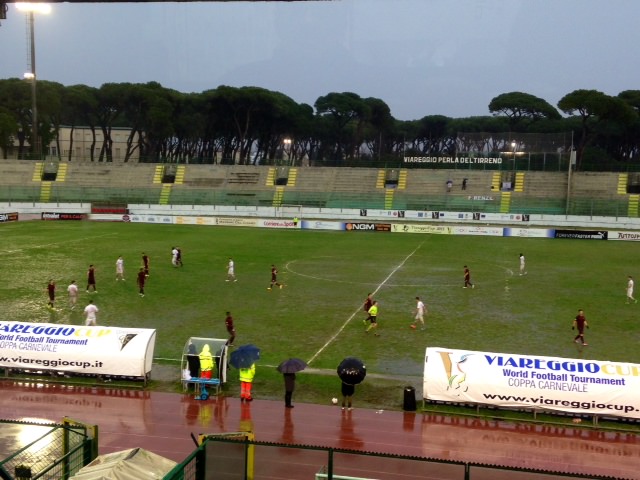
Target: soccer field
[{"x": 318, "y": 315}]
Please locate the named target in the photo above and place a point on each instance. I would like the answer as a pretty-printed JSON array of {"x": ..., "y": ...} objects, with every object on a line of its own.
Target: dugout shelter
[{"x": 191, "y": 371}]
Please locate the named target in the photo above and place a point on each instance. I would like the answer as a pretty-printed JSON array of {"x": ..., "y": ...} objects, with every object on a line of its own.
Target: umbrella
[
  {"x": 352, "y": 371},
  {"x": 244, "y": 356},
  {"x": 293, "y": 365}
]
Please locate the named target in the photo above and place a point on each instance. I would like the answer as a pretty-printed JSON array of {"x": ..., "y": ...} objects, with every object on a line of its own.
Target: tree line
[{"x": 250, "y": 125}]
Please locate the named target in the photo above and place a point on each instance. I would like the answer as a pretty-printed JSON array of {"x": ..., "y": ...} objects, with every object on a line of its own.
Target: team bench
[{"x": 198, "y": 382}]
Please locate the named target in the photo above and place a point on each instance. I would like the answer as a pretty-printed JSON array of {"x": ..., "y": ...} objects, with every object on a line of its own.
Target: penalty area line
[{"x": 351, "y": 317}]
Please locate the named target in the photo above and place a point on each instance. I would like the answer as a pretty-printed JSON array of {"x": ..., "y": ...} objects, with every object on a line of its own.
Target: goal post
[{"x": 289, "y": 211}]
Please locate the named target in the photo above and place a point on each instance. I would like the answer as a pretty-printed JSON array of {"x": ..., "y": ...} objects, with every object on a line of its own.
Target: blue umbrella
[{"x": 244, "y": 356}]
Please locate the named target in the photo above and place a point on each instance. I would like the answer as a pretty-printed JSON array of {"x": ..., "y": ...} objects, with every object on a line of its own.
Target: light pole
[
  {"x": 514, "y": 147},
  {"x": 287, "y": 148},
  {"x": 30, "y": 9}
]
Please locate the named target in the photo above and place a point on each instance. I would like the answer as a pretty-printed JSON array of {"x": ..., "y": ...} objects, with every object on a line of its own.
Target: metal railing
[
  {"x": 520, "y": 203},
  {"x": 225, "y": 458},
  {"x": 56, "y": 452}
]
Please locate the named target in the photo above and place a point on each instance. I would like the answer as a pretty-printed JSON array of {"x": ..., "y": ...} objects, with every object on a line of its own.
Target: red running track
[{"x": 163, "y": 423}]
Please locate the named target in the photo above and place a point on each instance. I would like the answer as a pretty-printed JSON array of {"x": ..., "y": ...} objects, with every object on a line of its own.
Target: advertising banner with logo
[
  {"x": 382, "y": 213},
  {"x": 367, "y": 227},
  {"x": 469, "y": 216},
  {"x": 590, "y": 387},
  {"x": 486, "y": 231},
  {"x": 108, "y": 217},
  {"x": 529, "y": 232},
  {"x": 628, "y": 236},
  {"x": 77, "y": 349},
  {"x": 276, "y": 223},
  {"x": 9, "y": 217},
  {"x": 322, "y": 225},
  {"x": 62, "y": 216},
  {"x": 236, "y": 222},
  {"x": 194, "y": 220},
  {"x": 144, "y": 218},
  {"x": 420, "y": 228},
  {"x": 582, "y": 234}
]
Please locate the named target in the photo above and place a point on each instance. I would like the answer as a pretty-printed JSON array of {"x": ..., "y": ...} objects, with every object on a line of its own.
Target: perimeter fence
[
  {"x": 523, "y": 203},
  {"x": 230, "y": 458},
  {"x": 53, "y": 451}
]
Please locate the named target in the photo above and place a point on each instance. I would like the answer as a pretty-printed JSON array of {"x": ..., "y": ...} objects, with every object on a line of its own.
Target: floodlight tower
[{"x": 30, "y": 9}]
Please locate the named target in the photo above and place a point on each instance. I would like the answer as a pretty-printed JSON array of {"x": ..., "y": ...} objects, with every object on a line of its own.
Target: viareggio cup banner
[
  {"x": 575, "y": 386},
  {"x": 77, "y": 349}
]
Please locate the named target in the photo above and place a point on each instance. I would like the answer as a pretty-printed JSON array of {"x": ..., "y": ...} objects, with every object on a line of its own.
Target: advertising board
[
  {"x": 77, "y": 349},
  {"x": 576, "y": 386}
]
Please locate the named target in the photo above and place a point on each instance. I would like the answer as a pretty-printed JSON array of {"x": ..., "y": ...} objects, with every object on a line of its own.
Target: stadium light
[
  {"x": 30, "y": 9},
  {"x": 287, "y": 148}
]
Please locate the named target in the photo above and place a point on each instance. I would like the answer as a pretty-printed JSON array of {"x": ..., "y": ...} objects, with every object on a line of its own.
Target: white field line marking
[
  {"x": 66, "y": 242},
  {"x": 344, "y": 325},
  {"x": 348, "y": 282}
]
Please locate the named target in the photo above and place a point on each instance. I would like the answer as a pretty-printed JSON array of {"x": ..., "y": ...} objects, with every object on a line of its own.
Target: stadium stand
[{"x": 595, "y": 194}]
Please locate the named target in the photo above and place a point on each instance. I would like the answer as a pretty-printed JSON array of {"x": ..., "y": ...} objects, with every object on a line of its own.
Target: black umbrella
[
  {"x": 244, "y": 356},
  {"x": 352, "y": 371},
  {"x": 293, "y": 365}
]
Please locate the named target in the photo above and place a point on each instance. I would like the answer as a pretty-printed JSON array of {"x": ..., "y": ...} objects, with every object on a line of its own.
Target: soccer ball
[{"x": 334, "y": 400}]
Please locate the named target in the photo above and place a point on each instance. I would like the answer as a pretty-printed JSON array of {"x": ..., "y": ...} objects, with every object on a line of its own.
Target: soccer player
[
  {"x": 90, "y": 313},
  {"x": 366, "y": 306},
  {"x": 420, "y": 311},
  {"x": 231, "y": 271},
  {"x": 179, "y": 257},
  {"x": 140, "y": 281},
  {"x": 73, "y": 294},
  {"x": 174, "y": 256},
  {"x": 630, "y": 285},
  {"x": 373, "y": 318},
  {"x": 522, "y": 265},
  {"x": 120, "y": 268},
  {"x": 228, "y": 322},
  {"x": 579, "y": 323},
  {"x": 51, "y": 291},
  {"x": 274, "y": 278},
  {"x": 145, "y": 263},
  {"x": 91, "y": 279},
  {"x": 467, "y": 278}
]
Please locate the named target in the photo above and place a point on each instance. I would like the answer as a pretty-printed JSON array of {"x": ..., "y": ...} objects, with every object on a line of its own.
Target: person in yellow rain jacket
[
  {"x": 206, "y": 362},
  {"x": 246, "y": 382},
  {"x": 373, "y": 318}
]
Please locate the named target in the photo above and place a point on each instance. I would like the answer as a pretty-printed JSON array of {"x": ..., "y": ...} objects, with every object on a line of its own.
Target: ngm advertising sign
[
  {"x": 367, "y": 227},
  {"x": 78, "y": 349},
  {"x": 506, "y": 380}
]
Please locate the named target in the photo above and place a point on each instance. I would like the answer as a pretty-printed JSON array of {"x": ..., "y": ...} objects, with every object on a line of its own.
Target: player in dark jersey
[
  {"x": 51, "y": 291},
  {"x": 231, "y": 329},
  {"x": 274, "y": 278},
  {"x": 140, "y": 280},
  {"x": 145, "y": 263},
  {"x": 368, "y": 302},
  {"x": 579, "y": 323},
  {"x": 91, "y": 279},
  {"x": 467, "y": 278}
]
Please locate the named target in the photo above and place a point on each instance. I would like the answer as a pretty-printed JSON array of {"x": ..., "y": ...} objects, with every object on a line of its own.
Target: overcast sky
[{"x": 422, "y": 57}]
